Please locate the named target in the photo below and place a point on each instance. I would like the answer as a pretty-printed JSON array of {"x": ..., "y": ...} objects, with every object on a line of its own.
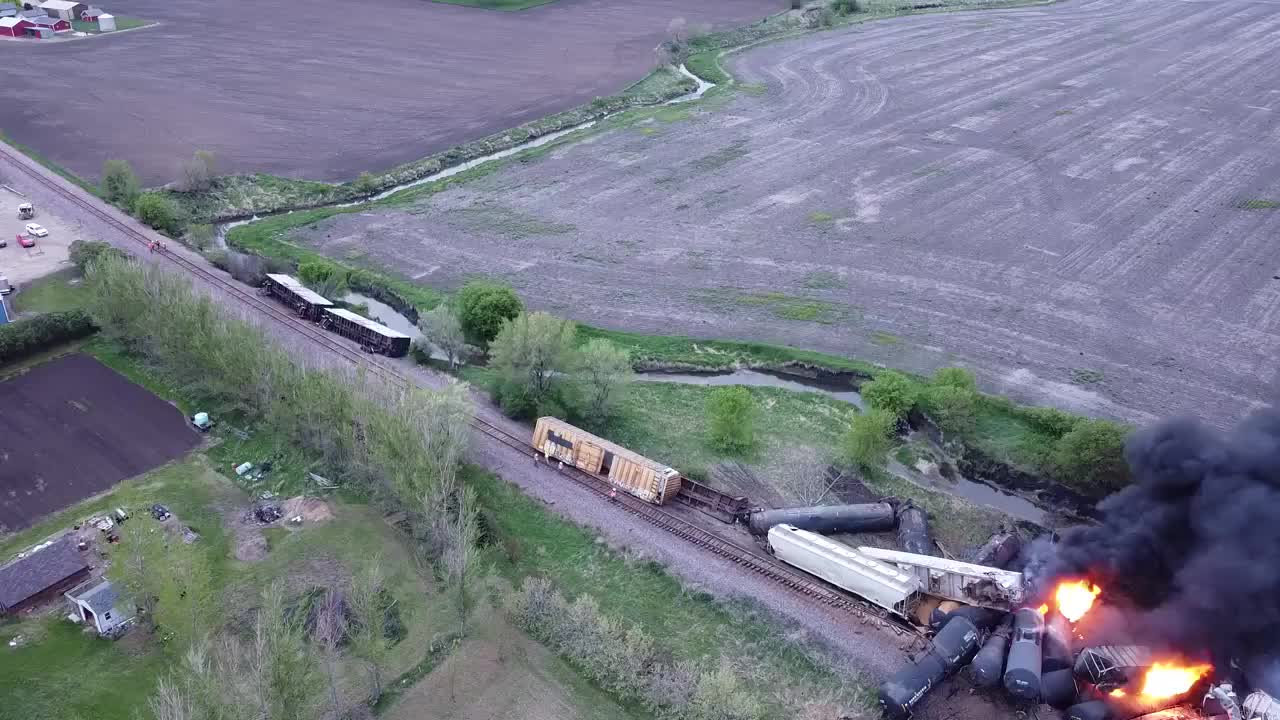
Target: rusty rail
[{"x": 752, "y": 560}]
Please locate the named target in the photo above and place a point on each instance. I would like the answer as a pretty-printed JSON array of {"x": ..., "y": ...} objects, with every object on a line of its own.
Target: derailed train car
[
  {"x": 309, "y": 304},
  {"x": 879, "y": 583},
  {"x": 646, "y": 479},
  {"x": 374, "y": 337}
]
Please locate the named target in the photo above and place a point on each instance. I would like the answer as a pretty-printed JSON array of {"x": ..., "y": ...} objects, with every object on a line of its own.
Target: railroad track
[{"x": 745, "y": 557}]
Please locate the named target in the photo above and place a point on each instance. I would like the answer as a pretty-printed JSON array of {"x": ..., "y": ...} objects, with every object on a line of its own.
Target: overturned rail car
[
  {"x": 309, "y": 304},
  {"x": 373, "y": 337},
  {"x": 877, "y": 582},
  {"x": 646, "y": 479}
]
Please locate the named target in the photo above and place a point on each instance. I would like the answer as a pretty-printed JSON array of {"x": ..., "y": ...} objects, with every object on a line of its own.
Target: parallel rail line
[{"x": 761, "y": 564}]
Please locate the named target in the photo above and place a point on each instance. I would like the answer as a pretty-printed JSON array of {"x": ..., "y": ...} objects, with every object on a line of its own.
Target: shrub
[
  {"x": 200, "y": 235},
  {"x": 85, "y": 252},
  {"x": 892, "y": 392},
  {"x": 1091, "y": 457},
  {"x": 869, "y": 438},
  {"x": 159, "y": 212},
  {"x": 21, "y": 338},
  {"x": 482, "y": 308},
  {"x": 119, "y": 184},
  {"x": 955, "y": 377},
  {"x": 1050, "y": 421},
  {"x": 845, "y": 7},
  {"x": 326, "y": 278},
  {"x": 198, "y": 173},
  {"x": 442, "y": 330},
  {"x": 731, "y": 419},
  {"x": 953, "y": 408}
]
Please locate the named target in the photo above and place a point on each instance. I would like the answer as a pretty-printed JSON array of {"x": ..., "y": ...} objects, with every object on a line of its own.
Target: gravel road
[
  {"x": 868, "y": 649},
  {"x": 1079, "y": 201},
  {"x": 325, "y": 90}
]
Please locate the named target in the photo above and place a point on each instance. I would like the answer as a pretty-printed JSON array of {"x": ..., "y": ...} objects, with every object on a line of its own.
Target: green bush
[
  {"x": 119, "y": 184},
  {"x": 328, "y": 279},
  {"x": 85, "y": 252},
  {"x": 953, "y": 408},
  {"x": 483, "y": 307},
  {"x": 159, "y": 212},
  {"x": 955, "y": 377},
  {"x": 1049, "y": 421},
  {"x": 869, "y": 438},
  {"x": 21, "y": 338},
  {"x": 1090, "y": 457},
  {"x": 731, "y": 419},
  {"x": 892, "y": 392}
]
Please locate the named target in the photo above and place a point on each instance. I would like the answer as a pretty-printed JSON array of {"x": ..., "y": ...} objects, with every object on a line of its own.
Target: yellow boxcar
[{"x": 650, "y": 481}]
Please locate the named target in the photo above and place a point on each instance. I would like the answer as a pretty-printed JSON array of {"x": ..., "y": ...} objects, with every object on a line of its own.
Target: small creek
[
  {"x": 385, "y": 314},
  {"x": 221, "y": 229},
  {"x": 978, "y": 494},
  {"x": 760, "y": 378}
]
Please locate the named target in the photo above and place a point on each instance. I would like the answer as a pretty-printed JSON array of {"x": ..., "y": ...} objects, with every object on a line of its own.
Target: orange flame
[
  {"x": 1169, "y": 679},
  {"x": 1118, "y": 692},
  {"x": 1075, "y": 598},
  {"x": 1043, "y": 609}
]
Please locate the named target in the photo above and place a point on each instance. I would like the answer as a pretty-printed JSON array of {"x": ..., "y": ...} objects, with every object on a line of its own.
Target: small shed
[
  {"x": 53, "y": 24},
  {"x": 91, "y": 13},
  {"x": 65, "y": 9},
  {"x": 106, "y": 23},
  {"x": 14, "y": 26},
  {"x": 40, "y": 33},
  {"x": 41, "y": 575},
  {"x": 98, "y": 604}
]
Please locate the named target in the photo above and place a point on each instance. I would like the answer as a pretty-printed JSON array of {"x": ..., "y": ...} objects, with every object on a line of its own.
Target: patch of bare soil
[
  {"x": 501, "y": 674},
  {"x": 310, "y": 509},
  {"x": 247, "y": 541}
]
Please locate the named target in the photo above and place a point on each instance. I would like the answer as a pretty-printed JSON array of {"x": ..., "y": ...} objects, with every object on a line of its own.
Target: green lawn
[
  {"x": 505, "y": 5},
  {"x": 122, "y": 23},
  {"x": 58, "y": 292}
]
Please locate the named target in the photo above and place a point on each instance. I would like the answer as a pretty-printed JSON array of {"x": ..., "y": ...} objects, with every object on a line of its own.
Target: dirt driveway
[
  {"x": 1081, "y": 201},
  {"x": 325, "y": 90}
]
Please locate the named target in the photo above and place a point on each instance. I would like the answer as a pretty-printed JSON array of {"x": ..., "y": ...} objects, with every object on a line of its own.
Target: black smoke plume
[{"x": 1190, "y": 553}]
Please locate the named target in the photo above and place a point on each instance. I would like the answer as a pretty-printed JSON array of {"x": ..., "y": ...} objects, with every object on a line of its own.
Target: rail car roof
[
  {"x": 619, "y": 451},
  {"x": 366, "y": 322},
  {"x": 956, "y": 580},
  {"x": 302, "y": 291},
  {"x": 883, "y": 573}
]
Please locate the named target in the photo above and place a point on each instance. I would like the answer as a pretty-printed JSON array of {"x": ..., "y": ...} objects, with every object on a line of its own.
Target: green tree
[
  {"x": 85, "y": 252},
  {"x": 1091, "y": 457},
  {"x": 370, "y": 603},
  {"x": 869, "y": 438},
  {"x": 442, "y": 330},
  {"x": 956, "y": 377},
  {"x": 159, "y": 212},
  {"x": 119, "y": 184},
  {"x": 953, "y": 408},
  {"x": 200, "y": 235},
  {"x": 530, "y": 351},
  {"x": 483, "y": 307},
  {"x": 730, "y": 415},
  {"x": 324, "y": 277},
  {"x": 892, "y": 392},
  {"x": 604, "y": 372}
]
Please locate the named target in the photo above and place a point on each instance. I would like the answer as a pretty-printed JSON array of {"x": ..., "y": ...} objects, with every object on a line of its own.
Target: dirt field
[
  {"x": 1078, "y": 200},
  {"x": 327, "y": 91},
  {"x": 72, "y": 428},
  {"x": 22, "y": 265}
]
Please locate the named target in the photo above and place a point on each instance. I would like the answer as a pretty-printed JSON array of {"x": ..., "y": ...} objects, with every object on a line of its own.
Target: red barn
[
  {"x": 14, "y": 26},
  {"x": 53, "y": 23},
  {"x": 41, "y": 576}
]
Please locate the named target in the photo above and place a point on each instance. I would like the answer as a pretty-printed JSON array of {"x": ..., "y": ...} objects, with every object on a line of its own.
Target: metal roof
[
  {"x": 100, "y": 597},
  {"x": 956, "y": 580},
  {"x": 366, "y": 322},
  {"x": 39, "y": 571},
  {"x": 46, "y": 20},
  {"x": 301, "y": 290},
  {"x": 59, "y": 4}
]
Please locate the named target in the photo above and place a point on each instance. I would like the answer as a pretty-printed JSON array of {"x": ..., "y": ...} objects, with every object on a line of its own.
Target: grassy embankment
[{"x": 122, "y": 23}]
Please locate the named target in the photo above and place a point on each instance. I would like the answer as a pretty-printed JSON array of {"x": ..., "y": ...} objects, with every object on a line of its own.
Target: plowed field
[
  {"x": 73, "y": 427},
  {"x": 1081, "y": 201}
]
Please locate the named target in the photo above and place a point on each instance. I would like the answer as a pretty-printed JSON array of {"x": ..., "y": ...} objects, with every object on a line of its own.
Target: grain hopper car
[
  {"x": 560, "y": 442},
  {"x": 309, "y": 304},
  {"x": 374, "y": 337},
  {"x": 877, "y": 582}
]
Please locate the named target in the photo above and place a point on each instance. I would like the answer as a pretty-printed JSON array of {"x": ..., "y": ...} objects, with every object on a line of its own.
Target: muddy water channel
[{"x": 975, "y": 492}]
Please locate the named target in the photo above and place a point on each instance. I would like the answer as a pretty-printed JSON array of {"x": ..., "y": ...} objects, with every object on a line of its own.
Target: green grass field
[{"x": 58, "y": 292}]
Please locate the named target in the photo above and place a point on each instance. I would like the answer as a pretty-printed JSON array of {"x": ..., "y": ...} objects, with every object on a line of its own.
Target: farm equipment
[{"x": 26, "y": 211}]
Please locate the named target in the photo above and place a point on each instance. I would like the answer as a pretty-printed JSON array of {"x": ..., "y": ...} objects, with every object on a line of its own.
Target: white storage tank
[
  {"x": 879, "y": 583},
  {"x": 106, "y": 23}
]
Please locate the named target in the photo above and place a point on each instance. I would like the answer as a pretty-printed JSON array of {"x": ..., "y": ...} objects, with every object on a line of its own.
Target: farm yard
[
  {"x": 353, "y": 92},
  {"x": 73, "y": 428},
  {"x": 1076, "y": 199}
]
